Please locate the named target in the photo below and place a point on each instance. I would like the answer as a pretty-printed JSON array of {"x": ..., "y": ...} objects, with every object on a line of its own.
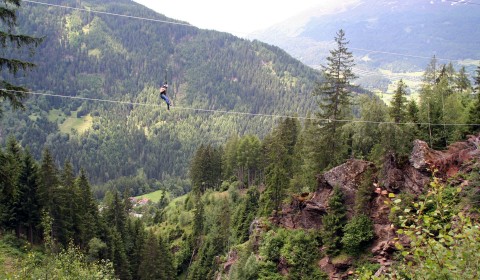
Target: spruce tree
[
  {"x": 335, "y": 94},
  {"x": 206, "y": 168},
  {"x": 71, "y": 197},
  {"x": 49, "y": 180},
  {"x": 29, "y": 211},
  {"x": 137, "y": 235},
  {"x": 397, "y": 110},
  {"x": 474, "y": 113},
  {"x": 9, "y": 193},
  {"x": 412, "y": 112},
  {"x": 118, "y": 255},
  {"x": 10, "y": 42},
  {"x": 333, "y": 222},
  {"x": 461, "y": 80},
  {"x": 149, "y": 267},
  {"x": 88, "y": 211},
  {"x": 244, "y": 215}
]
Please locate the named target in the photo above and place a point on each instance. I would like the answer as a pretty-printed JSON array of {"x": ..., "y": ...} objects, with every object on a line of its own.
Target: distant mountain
[
  {"x": 114, "y": 58},
  {"x": 395, "y": 36}
]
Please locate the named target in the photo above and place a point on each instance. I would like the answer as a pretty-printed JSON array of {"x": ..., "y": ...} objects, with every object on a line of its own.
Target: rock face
[
  {"x": 307, "y": 210},
  {"x": 307, "y": 213}
]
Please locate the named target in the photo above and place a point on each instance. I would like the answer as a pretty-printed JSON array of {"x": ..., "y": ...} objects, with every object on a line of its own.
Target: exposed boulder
[
  {"x": 445, "y": 163},
  {"x": 306, "y": 211}
]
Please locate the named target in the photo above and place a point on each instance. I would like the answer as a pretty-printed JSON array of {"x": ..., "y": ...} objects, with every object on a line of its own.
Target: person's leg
[{"x": 164, "y": 97}]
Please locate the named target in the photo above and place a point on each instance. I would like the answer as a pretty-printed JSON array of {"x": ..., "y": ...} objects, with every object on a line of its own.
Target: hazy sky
[{"x": 236, "y": 17}]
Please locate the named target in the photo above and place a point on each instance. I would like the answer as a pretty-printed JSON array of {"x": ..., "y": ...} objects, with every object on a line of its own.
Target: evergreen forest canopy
[
  {"x": 239, "y": 184},
  {"x": 100, "y": 56}
]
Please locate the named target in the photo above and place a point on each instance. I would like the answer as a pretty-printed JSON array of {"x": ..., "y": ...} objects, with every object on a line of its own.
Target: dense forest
[
  {"x": 243, "y": 196},
  {"x": 91, "y": 55}
]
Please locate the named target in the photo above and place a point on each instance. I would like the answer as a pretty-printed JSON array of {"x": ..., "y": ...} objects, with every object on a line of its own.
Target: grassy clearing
[
  {"x": 79, "y": 124},
  {"x": 55, "y": 115},
  {"x": 153, "y": 196},
  {"x": 72, "y": 123}
]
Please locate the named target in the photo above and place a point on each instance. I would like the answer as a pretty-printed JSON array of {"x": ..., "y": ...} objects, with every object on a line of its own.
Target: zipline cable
[
  {"x": 189, "y": 25},
  {"x": 231, "y": 112},
  {"x": 108, "y": 13}
]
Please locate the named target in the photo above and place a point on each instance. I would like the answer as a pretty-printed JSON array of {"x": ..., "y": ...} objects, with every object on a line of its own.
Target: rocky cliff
[{"x": 411, "y": 177}]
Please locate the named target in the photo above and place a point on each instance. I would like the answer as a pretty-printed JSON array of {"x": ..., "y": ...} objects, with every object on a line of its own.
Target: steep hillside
[
  {"x": 388, "y": 38},
  {"x": 422, "y": 197},
  {"x": 107, "y": 57}
]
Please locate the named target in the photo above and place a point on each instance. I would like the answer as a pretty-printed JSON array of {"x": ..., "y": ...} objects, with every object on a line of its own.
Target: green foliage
[
  {"x": 156, "y": 261},
  {"x": 474, "y": 112},
  {"x": 296, "y": 249},
  {"x": 304, "y": 164},
  {"x": 358, "y": 232},
  {"x": 334, "y": 222},
  {"x": 122, "y": 59},
  {"x": 70, "y": 263},
  {"x": 443, "y": 242},
  {"x": 363, "y": 195},
  {"x": 206, "y": 168},
  {"x": 279, "y": 149},
  {"x": 273, "y": 242},
  {"x": 442, "y": 101},
  {"x": 398, "y": 109},
  {"x": 14, "y": 45},
  {"x": 244, "y": 215},
  {"x": 335, "y": 97}
]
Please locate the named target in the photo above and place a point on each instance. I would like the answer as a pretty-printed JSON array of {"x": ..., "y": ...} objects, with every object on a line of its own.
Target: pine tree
[
  {"x": 397, "y": 111},
  {"x": 116, "y": 215},
  {"x": 462, "y": 81},
  {"x": 118, "y": 255},
  {"x": 335, "y": 97},
  {"x": 412, "y": 112},
  {"x": 29, "y": 211},
  {"x": 70, "y": 196},
  {"x": 436, "y": 88},
  {"x": 279, "y": 149},
  {"x": 334, "y": 222},
  {"x": 9, "y": 193},
  {"x": 135, "y": 245},
  {"x": 244, "y": 215},
  {"x": 49, "y": 180},
  {"x": 88, "y": 211},
  {"x": 474, "y": 113},
  {"x": 229, "y": 161},
  {"x": 206, "y": 168},
  {"x": 9, "y": 41}
]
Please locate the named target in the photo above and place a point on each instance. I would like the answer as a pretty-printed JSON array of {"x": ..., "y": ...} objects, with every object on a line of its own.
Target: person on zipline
[{"x": 163, "y": 95}]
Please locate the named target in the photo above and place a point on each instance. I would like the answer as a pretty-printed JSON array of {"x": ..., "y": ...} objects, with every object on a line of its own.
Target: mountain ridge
[{"x": 399, "y": 36}]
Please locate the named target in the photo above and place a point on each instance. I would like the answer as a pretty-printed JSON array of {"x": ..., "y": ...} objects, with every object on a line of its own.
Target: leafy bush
[
  {"x": 297, "y": 249},
  {"x": 69, "y": 264},
  {"x": 444, "y": 243}
]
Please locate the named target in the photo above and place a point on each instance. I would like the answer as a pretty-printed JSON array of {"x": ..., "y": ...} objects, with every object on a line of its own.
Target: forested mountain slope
[{"x": 107, "y": 57}]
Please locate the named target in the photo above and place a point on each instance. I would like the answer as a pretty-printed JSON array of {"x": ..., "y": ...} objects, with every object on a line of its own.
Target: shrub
[{"x": 358, "y": 232}]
